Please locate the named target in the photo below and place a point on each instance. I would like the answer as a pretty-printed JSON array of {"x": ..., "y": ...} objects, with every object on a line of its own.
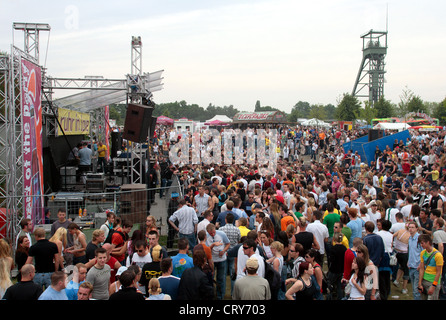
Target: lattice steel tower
[{"x": 371, "y": 72}]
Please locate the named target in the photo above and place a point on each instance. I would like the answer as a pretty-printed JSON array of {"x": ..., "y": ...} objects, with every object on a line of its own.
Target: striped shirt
[{"x": 431, "y": 269}]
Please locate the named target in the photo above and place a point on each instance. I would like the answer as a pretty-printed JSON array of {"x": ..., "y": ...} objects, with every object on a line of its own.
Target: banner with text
[
  {"x": 73, "y": 122},
  {"x": 31, "y": 78}
]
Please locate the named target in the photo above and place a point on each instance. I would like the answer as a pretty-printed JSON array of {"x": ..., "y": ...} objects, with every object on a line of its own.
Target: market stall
[{"x": 269, "y": 119}]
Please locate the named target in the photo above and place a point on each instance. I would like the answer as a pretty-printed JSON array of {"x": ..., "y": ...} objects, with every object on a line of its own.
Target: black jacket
[
  {"x": 194, "y": 285},
  {"x": 128, "y": 293}
]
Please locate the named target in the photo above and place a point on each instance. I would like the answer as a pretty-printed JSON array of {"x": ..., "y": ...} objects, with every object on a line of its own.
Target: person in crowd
[
  {"x": 253, "y": 286},
  {"x": 45, "y": 256},
  {"x": 194, "y": 284},
  {"x": 85, "y": 291},
  {"x": 25, "y": 289},
  {"x": 128, "y": 290},
  {"x": 56, "y": 291},
  {"x": 99, "y": 275},
  {"x": 168, "y": 283}
]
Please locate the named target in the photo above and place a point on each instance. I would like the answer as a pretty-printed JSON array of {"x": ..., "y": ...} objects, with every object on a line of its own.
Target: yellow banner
[{"x": 73, "y": 122}]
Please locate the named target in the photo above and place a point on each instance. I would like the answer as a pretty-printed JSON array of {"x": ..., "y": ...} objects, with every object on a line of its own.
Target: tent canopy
[
  {"x": 164, "y": 120},
  {"x": 315, "y": 123},
  {"x": 216, "y": 123},
  {"x": 400, "y": 126},
  {"x": 222, "y": 118}
]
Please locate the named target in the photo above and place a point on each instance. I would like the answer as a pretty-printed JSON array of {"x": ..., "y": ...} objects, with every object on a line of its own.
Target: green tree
[
  {"x": 317, "y": 111},
  {"x": 440, "y": 112},
  {"x": 300, "y": 110},
  {"x": 368, "y": 112},
  {"x": 348, "y": 108},
  {"x": 257, "y": 106},
  {"x": 384, "y": 108},
  {"x": 415, "y": 104},
  {"x": 330, "y": 112}
]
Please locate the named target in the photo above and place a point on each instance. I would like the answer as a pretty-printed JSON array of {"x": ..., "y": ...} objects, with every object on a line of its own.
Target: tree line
[{"x": 347, "y": 108}]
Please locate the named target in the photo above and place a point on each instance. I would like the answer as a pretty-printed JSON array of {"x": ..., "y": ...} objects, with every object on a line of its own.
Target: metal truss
[
  {"x": 11, "y": 161},
  {"x": 99, "y": 92}
]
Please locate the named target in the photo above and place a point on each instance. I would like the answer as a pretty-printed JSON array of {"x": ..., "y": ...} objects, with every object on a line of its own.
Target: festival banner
[
  {"x": 73, "y": 122},
  {"x": 31, "y": 78}
]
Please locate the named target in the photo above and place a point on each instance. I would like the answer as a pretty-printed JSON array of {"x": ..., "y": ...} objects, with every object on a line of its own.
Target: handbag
[
  {"x": 348, "y": 288},
  {"x": 393, "y": 259}
]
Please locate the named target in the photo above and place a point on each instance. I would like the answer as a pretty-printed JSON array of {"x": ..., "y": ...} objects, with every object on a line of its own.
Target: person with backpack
[
  {"x": 107, "y": 227},
  {"x": 120, "y": 240},
  {"x": 431, "y": 265}
]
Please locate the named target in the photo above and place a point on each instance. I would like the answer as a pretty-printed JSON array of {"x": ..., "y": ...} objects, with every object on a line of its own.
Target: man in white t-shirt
[
  {"x": 207, "y": 218},
  {"x": 370, "y": 189},
  {"x": 391, "y": 212},
  {"x": 406, "y": 209},
  {"x": 140, "y": 256},
  {"x": 374, "y": 214},
  {"x": 248, "y": 250},
  {"x": 320, "y": 232},
  {"x": 400, "y": 224}
]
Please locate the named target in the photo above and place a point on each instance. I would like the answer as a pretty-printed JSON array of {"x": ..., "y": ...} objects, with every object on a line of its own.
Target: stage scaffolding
[{"x": 98, "y": 94}]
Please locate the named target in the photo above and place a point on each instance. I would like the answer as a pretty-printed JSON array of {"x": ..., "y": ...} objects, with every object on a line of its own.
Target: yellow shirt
[
  {"x": 243, "y": 231},
  {"x": 334, "y": 211},
  {"x": 435, "y": 175},
  {"x": 101, "y": 151},
  {"x": 344, "y": 242}
]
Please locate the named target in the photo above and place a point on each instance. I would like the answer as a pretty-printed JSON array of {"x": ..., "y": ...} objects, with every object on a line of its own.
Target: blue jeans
[
  {"x": 43, "y": 279},
  {"x": 230, "y": 269},
  {"x": 220, "y": 273},
  {"x": 165, "y": 184},
  {"x": 191, "y": 238},
  {"x": 414, "y": 276}
]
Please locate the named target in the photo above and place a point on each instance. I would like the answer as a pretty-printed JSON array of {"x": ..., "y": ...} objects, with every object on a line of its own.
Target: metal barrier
[
  {"x": 359, "y": 186},
  {"x": 132, "y": 203}
]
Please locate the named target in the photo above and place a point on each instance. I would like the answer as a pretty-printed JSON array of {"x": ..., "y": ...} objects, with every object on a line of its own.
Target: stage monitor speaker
[
  {"x": 152, "y": 127},
  {"x": 116, "y": 143},
  {"x": 375, "y": 134},
  {"x": 137, "y": 122}
]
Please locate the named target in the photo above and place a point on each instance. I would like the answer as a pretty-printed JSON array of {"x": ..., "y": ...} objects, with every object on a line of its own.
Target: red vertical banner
[
  {"x": 31, "y": 103},
  {"x": 107, "y": 131}
]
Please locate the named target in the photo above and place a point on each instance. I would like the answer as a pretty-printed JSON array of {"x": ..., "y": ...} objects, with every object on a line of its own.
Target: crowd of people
[{"x": 325, "y": 225}]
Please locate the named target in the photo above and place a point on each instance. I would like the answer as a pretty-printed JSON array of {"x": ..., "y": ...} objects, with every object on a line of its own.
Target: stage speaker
[
  {"x": 116, "y": 143},
  {"x": 152, "y": 127},
  {"x": 137, "y": 122},
  {"x": 375, "y": 134}
]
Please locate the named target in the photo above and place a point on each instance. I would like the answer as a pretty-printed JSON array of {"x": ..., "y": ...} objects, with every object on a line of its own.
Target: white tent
[
  {"x": 315, "y": 123},
  {"x": 221, "y": 118},
  {"x": 400, "y": 126}
]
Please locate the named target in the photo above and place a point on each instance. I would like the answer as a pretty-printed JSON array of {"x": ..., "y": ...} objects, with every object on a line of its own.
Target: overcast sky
[{"x": 237, "y": 52}]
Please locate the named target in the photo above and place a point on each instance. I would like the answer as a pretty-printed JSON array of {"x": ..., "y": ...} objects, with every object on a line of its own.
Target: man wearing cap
[{"x": 253, "y": 286}]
